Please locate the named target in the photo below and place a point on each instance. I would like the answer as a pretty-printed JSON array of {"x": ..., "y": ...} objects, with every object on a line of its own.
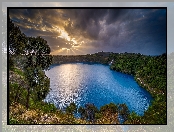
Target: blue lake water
[{"x": 97, "y": 84}]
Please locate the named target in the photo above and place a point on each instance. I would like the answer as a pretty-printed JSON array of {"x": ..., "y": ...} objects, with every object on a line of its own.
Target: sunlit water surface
[{"x": 94, "y": 83}]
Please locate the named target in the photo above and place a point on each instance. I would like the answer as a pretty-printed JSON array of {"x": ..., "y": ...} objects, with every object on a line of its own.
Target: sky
[{"x": 87, "y": 31}]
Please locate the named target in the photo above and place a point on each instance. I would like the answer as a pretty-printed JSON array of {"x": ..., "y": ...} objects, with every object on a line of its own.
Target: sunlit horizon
[{"x": 87, "y": 31}]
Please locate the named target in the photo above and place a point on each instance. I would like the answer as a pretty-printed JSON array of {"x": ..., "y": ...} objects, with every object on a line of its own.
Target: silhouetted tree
[{"x": 36, "y": 50}]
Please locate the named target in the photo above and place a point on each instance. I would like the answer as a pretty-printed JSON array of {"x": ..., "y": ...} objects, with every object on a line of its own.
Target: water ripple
[{"x": 83, "y": 83}]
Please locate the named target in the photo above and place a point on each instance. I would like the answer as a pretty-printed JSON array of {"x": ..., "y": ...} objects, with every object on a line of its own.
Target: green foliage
[
  {"x": 42, "y": 106},
  {"x": 133, "y": 118},
  {"x": 37, "y": 60},
  {"x": 17, "y": 39},
  {"x": 123, "y": 111},
  {"x": 156, "y": 114},
  {"x": 72, "y": 108},
  {"x": 37, "y": 53},
  {"x": 82, "y": 112},
  {"x": 17, "y": 93},
  {"x": 38, "y": 81},
  {"x": 98, "y": 115},
  {"x": 13, "y": 121},
  {"x": 89, "y": 112},
  {"x": 150, "y": 73},
  {"x": 18, "y": 71},
  {"x": 112, "y": 108}
]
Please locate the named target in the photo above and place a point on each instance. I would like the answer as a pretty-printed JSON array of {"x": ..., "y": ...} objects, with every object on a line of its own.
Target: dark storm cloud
[
  {"x": 87, "y": 20},
  {"x": 117, "y": 30},
  {"x": 25, "y": 13},
  {"x": 141, "y": 31},
  {"x": 149, "y": 31},
  {"x": 116, "y": 15}
]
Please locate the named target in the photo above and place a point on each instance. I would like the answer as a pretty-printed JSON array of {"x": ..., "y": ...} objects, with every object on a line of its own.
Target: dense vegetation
[
  {"x": 36, "y": 51},
  {"x": 28, "y": 86},
  {"x": 151, "y": 73}
]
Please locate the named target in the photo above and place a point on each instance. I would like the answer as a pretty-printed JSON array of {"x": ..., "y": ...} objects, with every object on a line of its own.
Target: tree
[
  {"x": 82, "y": 112},
  {"x": 90, "y": 110},
  {"x": 133, "y": 118},
  {"x": 37, "y": 54},
  {"x": 109, "y": 114},
  {"x": 111, "y": 108},
  {"x": 16, "y": 39},
  {"x": 72, "y": 108},
  {"x": 38, "y": 59},
  {"x": 123, "y": 111},
  {"x": 16, "y": 42}
]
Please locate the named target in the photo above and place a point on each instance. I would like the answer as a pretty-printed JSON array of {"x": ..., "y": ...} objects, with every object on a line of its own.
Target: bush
[
  {"x": 72, "y": 108},
  {"x": 17, "y": 93},
  {"x": 42, "y": 106}
]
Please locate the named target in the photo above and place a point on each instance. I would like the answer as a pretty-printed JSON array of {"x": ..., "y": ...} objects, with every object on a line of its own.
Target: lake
[{"x": 94, "y": 83}]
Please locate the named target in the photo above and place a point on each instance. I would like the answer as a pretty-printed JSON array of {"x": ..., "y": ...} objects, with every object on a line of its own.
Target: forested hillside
[{"x": 151, "y": 73}]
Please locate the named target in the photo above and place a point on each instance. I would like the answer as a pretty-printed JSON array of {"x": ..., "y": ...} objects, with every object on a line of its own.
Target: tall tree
[
  {"x": 38, "y": 59},
  {"x": 16, "y": 39},
  {"x": 36, "y": 51}
]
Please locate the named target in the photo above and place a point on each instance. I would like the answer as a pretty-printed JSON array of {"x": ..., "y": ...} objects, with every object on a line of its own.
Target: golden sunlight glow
[
  {"x": 64, "y": 35},
  {"x": 68, "y": 80},
  {"x": 56, "y": 52},
  {"x": 72, "y": 42},
  {"x": 67, "y": 51},
  {"x": 73, "y": 51},
  {"x": 75, "y": 46},
  {"x": 78, "y": 50},
  {"x": 44, "y": 28}
]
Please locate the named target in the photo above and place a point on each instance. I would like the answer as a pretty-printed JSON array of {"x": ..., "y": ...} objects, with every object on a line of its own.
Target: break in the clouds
[{"x": 85, "y": 31}]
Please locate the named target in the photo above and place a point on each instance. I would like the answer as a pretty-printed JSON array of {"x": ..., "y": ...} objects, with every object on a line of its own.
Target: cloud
[{"x": 129, "y": 30}]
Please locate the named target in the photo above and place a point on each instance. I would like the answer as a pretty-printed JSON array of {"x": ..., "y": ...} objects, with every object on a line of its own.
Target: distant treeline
[
  {"x": 100, "y": 57},
  {"x": 28, "y": 85}
]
